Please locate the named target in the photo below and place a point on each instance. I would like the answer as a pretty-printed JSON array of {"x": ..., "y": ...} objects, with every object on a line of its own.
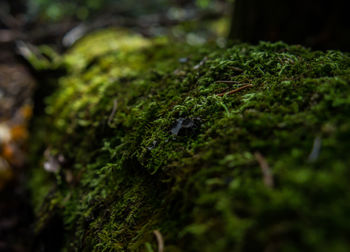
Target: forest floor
[{"x": 16, "y": 86}]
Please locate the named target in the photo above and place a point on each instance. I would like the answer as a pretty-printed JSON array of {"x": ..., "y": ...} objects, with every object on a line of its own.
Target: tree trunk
[{"x": 319, "y": 24}]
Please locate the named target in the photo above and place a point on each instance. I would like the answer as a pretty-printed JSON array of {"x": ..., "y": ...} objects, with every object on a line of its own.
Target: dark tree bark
[{"x": 320, "y": 24}]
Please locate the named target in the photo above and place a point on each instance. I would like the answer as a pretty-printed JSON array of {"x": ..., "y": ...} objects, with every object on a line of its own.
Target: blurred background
[
  {"x": 46, "y": 21},
  {"x": 321, "y": 24}
]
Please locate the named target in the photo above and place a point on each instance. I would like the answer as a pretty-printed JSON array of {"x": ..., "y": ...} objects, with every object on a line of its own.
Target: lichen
[{"x": 126, "y": 174}]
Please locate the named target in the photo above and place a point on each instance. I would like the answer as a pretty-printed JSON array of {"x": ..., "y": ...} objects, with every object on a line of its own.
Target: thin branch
[
  {"x": 236, "y": 90},
  {"x": 227, "y": 82},
  {"x": 160, "y": 240},
  {"x": 265, "y": 168},
  {"x": 316, "y": 149},
  {"x": 114, "y": 110},
  {"x": 237, "y": 69}
]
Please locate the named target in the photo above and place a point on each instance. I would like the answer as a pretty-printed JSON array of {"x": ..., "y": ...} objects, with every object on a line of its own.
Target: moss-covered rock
[{"x": 235, "y": 149}]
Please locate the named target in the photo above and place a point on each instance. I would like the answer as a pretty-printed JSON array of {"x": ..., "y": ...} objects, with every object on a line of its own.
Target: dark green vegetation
[{"x": 149, "y": 145}]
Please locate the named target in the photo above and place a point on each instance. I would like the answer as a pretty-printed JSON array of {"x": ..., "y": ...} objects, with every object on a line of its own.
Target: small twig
[
  {"x": 114, "y": 110},
  {"x": 200, "y": 63},
  {"x": 267, "y": 174},
  {"x": 231, "y": 82},
  {"x": 316, "y": 149},
  {"x": 237, "y": 69},
  {"x": 236, "y": 90},
  {"x": 159, "y": 240},
  {"x": 227, "y": 82}
]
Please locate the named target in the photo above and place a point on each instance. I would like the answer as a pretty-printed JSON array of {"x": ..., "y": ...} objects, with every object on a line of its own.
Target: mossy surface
[{"x": 126, "y": 173}]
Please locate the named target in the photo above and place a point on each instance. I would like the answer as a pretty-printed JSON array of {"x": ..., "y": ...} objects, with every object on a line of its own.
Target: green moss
[{"x": 126, "y": 174}]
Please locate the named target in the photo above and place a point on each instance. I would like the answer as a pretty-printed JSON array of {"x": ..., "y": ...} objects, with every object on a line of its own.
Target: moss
[{"x": 126, "y": 173}]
